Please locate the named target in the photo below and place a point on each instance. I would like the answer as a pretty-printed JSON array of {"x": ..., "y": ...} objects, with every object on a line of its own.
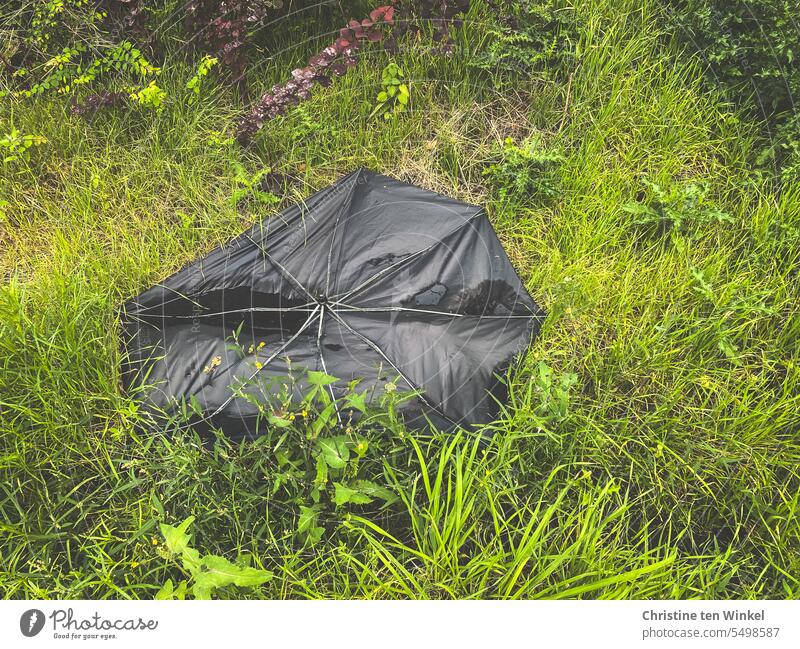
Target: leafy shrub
[
  {"x": 535, "y": 37},
  {"x": 249, "y": 187},
  {"x": 207, "y": 572},
  {"x": 44, "y": 27},
  {"x": 379, "y": 26},
  {"x": 151, "y": 96},
  {"x": 15, "y": 145},
  {"x": 335, "y": 59},
  {"x": 749, "y": 47},
  {"x": 725, "y": 317},
  {"x": 203, "y": 68},
  {"x": 325, "y": 454},
  {"x": 394, "y": 95},
  {"x": 71, "y": 68},
  {"x": 225, "y": 27},
  {"x": 552, "y": 394},
  {"x": 525, "y": 172},
  {"x": 54, "y": 41},
  {"x": 677, "y": 208}
]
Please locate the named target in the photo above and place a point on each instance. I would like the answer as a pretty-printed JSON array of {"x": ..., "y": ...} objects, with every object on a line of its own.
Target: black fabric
[{"x": 371, "y": 279}]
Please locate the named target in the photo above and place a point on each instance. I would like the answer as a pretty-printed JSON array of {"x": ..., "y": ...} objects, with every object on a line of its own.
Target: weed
[
  {"x": 524, "y": 173},
  {"x": 321, "y": 464},
  {"x": 203, "y": 68},
  {"x": 207, "y": 572},
  {"x": 394, "y": 97},
  {"x": 151, "y": 96},
  {"x": 538, "y": 38},
  {"x": 249, "y": 186},
  {"x": 681, "y": 207},
  {"x": 68, "y": 70},
  {"x": 15, "y": 145}
]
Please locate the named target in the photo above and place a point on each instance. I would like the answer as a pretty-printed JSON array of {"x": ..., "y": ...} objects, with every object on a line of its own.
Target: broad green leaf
[
  {"x": 374, "y": 490},
  {"x": 334, "y": 451},
  {"x": 307, "y": 519},
  {"x": 278, "y": 421},
  {"x": 307, "y": 525},
  {"x": 217, "y": 572},
  {"x": 324, "y": 418},
  {"x": 346, "y": 495},
  {"x": 191, "y": 560},
  {"x": 166, "y": 591},
  {"x": 357, "y": 401},
  {"x": 201, "y": 590},
  {"x": 382, "y": 96},
  {"x": 320, "y": 378},
  {"x": 729, "y": 349},
  {"x": 177, "y": 538},
  {"x": 180, "y": 591}
]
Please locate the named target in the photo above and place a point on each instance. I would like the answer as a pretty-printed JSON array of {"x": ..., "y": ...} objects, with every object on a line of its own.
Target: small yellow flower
[
  {"x": 251, "y": 349},
  {"x": 390, "y": 387},
  {"x": 134, "y": 564},
  {"x": 259, "y": 365},
  {"x": 291, "y": 417},
  {"x": 261, "y": 344},
  {"x": 304, "y": 413},
  {"x": 155, "y": 541}
]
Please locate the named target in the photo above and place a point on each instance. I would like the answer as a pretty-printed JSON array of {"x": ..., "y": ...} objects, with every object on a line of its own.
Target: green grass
[{"x": 671, "y": 472}]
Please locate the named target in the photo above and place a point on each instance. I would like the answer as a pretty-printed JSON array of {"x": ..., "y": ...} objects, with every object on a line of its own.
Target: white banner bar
[{"x": 351, "y": 625}]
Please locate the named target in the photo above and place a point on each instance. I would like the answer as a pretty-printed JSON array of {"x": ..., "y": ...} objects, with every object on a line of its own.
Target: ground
[{"x": 650, "y": 447}]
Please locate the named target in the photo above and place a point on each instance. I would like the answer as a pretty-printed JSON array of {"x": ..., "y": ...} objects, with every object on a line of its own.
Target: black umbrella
[{"x": 371, "y": 279}]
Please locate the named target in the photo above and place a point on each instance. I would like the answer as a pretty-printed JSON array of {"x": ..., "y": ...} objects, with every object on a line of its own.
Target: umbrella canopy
[{"x": 371, "y": 280}]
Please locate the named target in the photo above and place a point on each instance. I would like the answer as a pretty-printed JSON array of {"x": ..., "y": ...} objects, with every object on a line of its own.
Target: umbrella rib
[
  {"x": 356, "y": 309},
  {"x": 404, "y": 260},
  {"x": 330, "y": 252},
  {"x": 272, "y": 357},
  {"x": 322, "y": 362},
  {"x": 256, "y": 309},
  {"x": 282, "y": 270},
  {"x": 383, "y": 355}
]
